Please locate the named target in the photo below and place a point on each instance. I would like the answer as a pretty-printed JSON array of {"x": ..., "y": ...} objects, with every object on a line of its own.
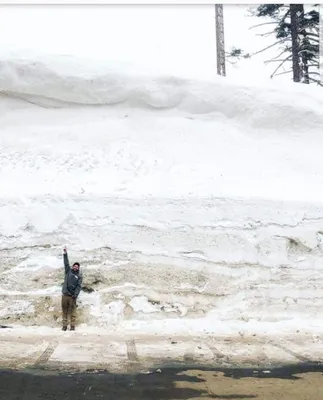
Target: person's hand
[{"x": 65, "y": 250}]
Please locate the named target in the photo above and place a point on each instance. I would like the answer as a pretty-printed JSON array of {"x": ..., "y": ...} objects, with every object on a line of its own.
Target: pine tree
[
  {"x": 296, "y": 30},
  {"x": 297, "y": 35}
]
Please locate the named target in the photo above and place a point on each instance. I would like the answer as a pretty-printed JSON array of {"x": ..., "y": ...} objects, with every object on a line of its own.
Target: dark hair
[{"x": 76, "y": 263}]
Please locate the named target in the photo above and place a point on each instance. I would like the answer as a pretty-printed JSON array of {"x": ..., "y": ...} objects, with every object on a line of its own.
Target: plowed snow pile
[{"x": 191, "y": 205}]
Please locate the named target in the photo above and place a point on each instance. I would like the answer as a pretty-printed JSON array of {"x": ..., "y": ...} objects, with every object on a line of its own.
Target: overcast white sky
[{"x": 165, "y": 37}]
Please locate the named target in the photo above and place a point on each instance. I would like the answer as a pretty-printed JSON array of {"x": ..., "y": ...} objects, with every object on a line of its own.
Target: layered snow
[{"x": 191, "y": 205}]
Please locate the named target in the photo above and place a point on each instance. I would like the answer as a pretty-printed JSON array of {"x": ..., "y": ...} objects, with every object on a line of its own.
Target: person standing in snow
[{"x": 71, "y": 289}]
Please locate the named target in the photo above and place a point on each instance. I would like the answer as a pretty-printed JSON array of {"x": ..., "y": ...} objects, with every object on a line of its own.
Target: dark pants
[{"x": 68, "y": 309}]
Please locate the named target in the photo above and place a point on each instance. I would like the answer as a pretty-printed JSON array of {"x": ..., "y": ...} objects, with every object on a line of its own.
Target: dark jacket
[{"x": 73, "y": 280}]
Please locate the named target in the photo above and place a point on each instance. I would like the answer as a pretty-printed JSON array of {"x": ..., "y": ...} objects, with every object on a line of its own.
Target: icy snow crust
[{"x": 191, "y": 205}]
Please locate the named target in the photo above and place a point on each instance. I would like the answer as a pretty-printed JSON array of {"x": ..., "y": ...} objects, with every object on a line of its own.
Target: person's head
[{"x": 76, "y": 266}]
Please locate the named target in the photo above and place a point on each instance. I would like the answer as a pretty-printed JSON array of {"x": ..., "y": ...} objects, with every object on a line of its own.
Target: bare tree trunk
[
  {"x": 304, "y": 44},
  {"x": 296, "y": 10},
  {"x": 219, "y": 29},
  {"x": 321, "y": 43}
]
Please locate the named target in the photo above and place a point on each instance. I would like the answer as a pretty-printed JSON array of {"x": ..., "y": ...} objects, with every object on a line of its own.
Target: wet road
[{"x": 297, "y": 382}]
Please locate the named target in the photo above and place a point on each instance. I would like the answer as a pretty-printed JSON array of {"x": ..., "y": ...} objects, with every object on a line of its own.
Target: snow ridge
[{"x": 67, "y": 82}]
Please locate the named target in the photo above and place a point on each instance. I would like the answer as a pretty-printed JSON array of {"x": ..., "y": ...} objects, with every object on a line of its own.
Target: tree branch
[
  {"x": 272, "y": 61},
  {"x": 286, "y": 14},
  {"x": 308, "y": 52},
  {"x": 313, "y": 40},
  {"x": 265, "y": 34},
  {"x": 316, "y": 81},
  {"x": 283, "y": 73},
  {"x": 315, "y": 35},
  {"x": 270, "y": 46},
  {"x": 281, "y": 64},
  {"x": 315, "y": 64},
  {"x": 280, "y": 54},
  {"x": 264, "y": 23}
]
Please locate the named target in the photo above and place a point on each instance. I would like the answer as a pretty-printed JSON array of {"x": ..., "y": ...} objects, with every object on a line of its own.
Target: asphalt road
[{"x": 297, "y": 382}]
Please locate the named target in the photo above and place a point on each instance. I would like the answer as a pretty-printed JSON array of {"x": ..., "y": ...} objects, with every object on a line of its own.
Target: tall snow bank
[
  {"x": 180, "y": 198},
  {"x": 57, "y": 82}
]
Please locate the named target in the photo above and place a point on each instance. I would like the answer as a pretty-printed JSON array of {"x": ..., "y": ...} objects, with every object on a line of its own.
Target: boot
[
  {"x": 64, "y": 328},
  {"x": 72, "y": 327}
]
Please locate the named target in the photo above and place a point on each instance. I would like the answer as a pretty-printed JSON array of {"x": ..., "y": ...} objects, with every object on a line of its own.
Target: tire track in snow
[
  {"x": 45, "y": 356},
  {"x": 132, "y": 351}
]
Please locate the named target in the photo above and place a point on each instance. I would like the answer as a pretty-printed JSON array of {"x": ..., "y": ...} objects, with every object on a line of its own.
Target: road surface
[{"x": 80, "y": 365}]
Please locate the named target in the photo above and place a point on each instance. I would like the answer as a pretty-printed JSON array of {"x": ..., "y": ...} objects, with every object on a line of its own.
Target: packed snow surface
[{"x": 192, "y": 205}]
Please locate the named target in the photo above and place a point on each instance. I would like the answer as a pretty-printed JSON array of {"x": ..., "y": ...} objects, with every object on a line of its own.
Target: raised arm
[{"x": 66, "y": 261}]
